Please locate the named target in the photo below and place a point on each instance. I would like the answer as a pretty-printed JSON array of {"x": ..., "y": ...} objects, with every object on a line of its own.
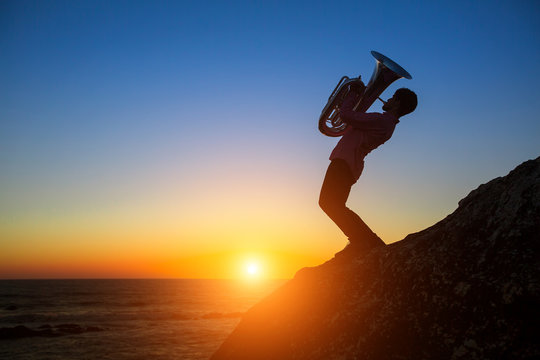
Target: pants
[{"x": 334, "y": 194}]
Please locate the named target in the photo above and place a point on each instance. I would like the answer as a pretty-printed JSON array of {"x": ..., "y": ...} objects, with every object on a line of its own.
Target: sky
[{"x": 179, "y": 138}]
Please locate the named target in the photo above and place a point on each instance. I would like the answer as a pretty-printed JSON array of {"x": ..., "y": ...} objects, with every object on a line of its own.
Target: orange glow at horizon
[{"x": 144, "y": 262}]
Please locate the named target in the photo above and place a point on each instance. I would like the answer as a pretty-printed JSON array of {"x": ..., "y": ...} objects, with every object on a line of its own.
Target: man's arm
[{"x": 359, "y": 120}]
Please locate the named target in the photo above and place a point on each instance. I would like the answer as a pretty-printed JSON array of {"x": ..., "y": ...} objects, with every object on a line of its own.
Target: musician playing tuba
[{"x": 366, "y": 131}]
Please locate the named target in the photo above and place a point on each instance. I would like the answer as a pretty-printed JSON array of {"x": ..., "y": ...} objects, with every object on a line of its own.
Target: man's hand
[{"x": 357, "y": 87}]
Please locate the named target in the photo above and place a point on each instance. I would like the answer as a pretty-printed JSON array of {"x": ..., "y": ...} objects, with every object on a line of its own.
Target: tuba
[{"x": 386, "y": 72}]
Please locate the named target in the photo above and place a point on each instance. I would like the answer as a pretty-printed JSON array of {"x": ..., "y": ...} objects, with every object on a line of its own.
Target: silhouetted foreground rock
[
  {"x": 22, "y": 331},
  {"x": 465, "y": 288}
]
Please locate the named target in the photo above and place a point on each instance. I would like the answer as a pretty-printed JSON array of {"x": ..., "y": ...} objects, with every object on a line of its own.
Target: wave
[{"x": 217, "y": 315}]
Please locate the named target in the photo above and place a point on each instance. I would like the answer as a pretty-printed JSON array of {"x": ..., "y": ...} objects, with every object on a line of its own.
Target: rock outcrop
[
  {"x": 21, "y": 331},
  {"x": 465, "y": 288}
]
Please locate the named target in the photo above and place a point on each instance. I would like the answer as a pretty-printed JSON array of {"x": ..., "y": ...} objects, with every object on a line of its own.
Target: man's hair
[{"x": 407, "y": 101}]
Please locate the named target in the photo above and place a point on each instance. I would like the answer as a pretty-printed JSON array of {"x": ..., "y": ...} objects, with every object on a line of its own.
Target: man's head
[{"x": 402, "y": 103}]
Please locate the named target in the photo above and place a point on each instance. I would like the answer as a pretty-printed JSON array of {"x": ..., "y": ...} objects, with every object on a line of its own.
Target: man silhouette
[{"x": 366, "y": 132}]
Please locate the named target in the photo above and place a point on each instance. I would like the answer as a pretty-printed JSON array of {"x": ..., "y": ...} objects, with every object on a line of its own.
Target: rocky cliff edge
[{"x": 465, "y": 288}]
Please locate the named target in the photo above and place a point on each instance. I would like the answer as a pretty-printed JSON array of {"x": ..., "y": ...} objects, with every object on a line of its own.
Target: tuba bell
[{"x": 386, "y": 72}]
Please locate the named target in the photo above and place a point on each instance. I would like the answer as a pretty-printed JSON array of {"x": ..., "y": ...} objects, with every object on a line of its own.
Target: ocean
[{"x": 122, "y": 319}]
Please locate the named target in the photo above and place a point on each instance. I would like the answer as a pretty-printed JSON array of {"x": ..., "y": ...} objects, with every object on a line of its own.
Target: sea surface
[{"x": 123, "y": 319}]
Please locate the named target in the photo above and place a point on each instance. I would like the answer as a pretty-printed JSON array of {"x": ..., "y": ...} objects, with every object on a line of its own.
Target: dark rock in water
[
  {"x": 16, "y": 332},
  {"x": 69, "y": 329},
  {"x": 466, "y": 288},
  {"x": 93, "y": 328},
  {"x": 47, "y": 330}
]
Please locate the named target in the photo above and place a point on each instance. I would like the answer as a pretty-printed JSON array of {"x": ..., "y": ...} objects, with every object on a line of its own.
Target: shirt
[{"x": 366, "y": 132}]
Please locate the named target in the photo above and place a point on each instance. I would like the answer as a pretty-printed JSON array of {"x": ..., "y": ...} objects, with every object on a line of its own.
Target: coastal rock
[
  {"x": 466, "y": 288},
  {"x": 46, "y": 330}
]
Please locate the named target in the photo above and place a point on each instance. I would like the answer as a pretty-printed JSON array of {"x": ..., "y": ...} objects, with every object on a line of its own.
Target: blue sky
[{"x": 111, "y": 105}]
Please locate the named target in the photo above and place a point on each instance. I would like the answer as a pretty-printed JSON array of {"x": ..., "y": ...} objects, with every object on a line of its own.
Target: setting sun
[{"x": 252, "y": 269}]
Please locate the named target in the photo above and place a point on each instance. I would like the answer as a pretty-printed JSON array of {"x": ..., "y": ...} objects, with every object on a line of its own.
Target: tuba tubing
[{"x": 385, "y": 73}]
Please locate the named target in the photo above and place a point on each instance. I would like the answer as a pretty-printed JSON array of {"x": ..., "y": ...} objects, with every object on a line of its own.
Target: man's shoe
[{"x": 360, "y": 247}]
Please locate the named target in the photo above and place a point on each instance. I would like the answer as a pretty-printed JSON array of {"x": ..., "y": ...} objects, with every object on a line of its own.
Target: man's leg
[{"x": 334, "y": 194}]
